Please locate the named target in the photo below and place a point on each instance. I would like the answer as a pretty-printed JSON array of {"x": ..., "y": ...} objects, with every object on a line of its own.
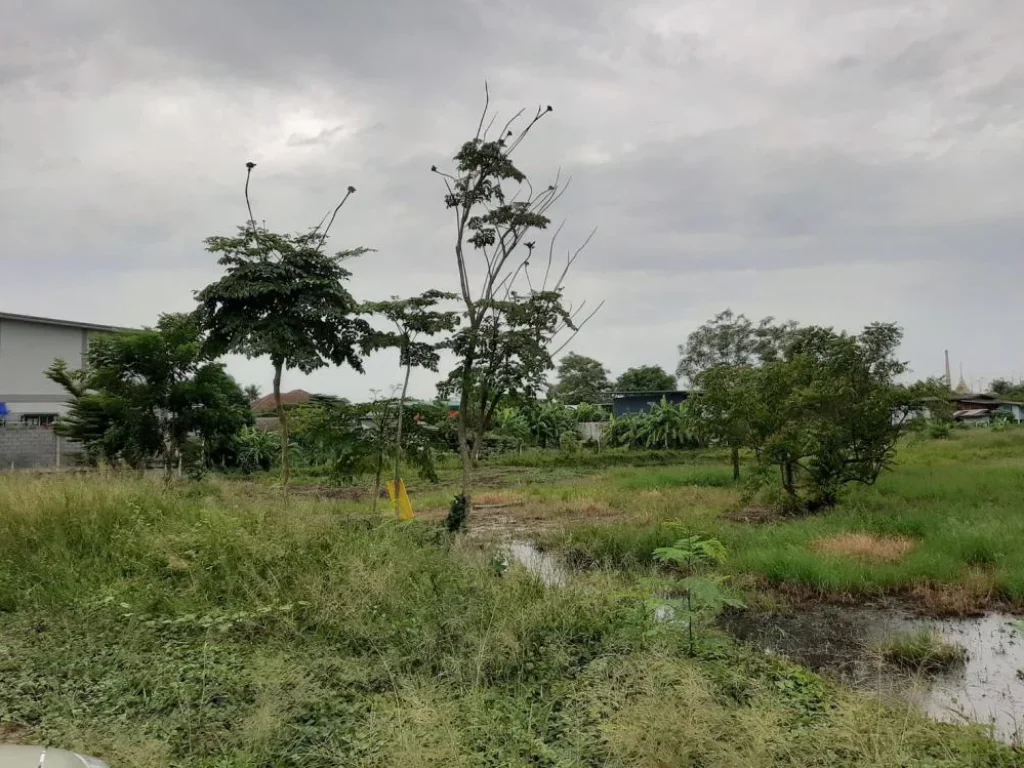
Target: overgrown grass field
[
  {"x": 946, "y": 526},
  {"x": 214, "y": 624}
]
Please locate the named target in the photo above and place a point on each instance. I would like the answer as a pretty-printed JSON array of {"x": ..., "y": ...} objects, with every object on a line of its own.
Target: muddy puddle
[
  {"x": 840, "y": 642},
  {"x": 546, "y": 566}
]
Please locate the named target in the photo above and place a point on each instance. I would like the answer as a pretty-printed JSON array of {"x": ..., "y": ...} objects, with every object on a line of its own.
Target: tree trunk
[
  {"x": 398, "y": 432},
  {"x": 735, "y": 463},
  {"x": 283, "y": 419},
  {"x": 464, "y": 452},
  {"x": 376, "y": 480}
]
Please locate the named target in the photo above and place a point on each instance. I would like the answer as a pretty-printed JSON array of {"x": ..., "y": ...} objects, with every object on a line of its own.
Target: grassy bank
[
  {"x": 206, "y": 626},
  {"x": 947, "y": 524}
]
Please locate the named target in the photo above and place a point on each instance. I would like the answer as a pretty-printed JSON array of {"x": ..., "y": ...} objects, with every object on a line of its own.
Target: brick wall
[{"x": 35, "y": 447}]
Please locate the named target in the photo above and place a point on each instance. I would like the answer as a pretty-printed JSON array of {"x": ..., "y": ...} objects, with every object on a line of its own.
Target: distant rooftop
[
  {"x": 62, "y": 323},
  {"x": 648, "y": 392},
  {"x": 295, "y": 397}
]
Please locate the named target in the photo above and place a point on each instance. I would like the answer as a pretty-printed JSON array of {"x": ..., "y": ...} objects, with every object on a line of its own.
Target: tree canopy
[
  {"x": 730, "y": 339},
  {"x": 581, "y": 379},
  {"x": 646, "y": 378},
  {"x": 825, "y": 413},
  {"x": 142, "y": 394},
  {"x": 283, "y": 297}
]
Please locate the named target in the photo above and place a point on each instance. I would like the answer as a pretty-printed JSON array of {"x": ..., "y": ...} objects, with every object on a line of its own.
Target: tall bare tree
[{"x": 497, "y": 209}]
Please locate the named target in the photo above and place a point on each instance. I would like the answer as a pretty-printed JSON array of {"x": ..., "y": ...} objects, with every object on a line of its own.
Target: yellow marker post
[{"x": 402, "y": 502}]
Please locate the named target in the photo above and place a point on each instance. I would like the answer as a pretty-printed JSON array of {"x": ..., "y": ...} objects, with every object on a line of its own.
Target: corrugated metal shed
[{"x": 632, "y": 403}]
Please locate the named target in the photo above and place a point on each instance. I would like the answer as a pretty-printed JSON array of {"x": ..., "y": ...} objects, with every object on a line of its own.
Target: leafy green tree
[
  {"x": 252, "y": 393},
  {"x": 141, "y": 396},
  {"x": 665, "y": 426},
  {"x": 412, "y": 318},
  {"x": 828, "y": 413},
  {"x": 732, "y": 340},
  {"x": 282, "y": 297},
  {"x": 348, "y": 439},
  {"x": 717, "y": 359},
  {"x": 496, "y": 211},
  {"x": 722, "y": 408},
  {"x": 512, "y": 357},
  {"x": 932, "y": 394},
  {"x": 645, "y": 378},
  {"x": 580, "y": 380},
  {"x": 1007, "y": 389}
]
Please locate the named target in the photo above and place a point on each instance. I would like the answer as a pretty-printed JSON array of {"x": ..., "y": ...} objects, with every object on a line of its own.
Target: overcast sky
[{"x": 828, "y": 161}]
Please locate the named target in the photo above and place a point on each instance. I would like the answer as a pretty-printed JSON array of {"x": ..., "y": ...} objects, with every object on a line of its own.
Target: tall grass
[
  {"x": 213, "y": 626},
  {"x": 958, "y": 502}
]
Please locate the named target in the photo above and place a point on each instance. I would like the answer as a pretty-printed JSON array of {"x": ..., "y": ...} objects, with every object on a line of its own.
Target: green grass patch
[
  {"x": 215, "y": 626},
  {"x": 922, "y": 650},
  {"x": 675, "y": 477},
  {"x": 959, "y": 502}
]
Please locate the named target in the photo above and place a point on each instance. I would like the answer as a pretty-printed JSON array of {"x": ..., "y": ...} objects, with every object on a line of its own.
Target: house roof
[
  {"x": 63, "y": 323},
  {"x": 982, "y": 399},
  {"x": 652, "y": 392},
  {"x": 295, "y": 397},
  {"x": 974, "y": 413}
]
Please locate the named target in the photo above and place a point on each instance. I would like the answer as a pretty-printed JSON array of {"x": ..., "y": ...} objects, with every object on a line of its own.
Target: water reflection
[
  {"x": 544, "y": 565},
  {"x": 837, "y": 641}
]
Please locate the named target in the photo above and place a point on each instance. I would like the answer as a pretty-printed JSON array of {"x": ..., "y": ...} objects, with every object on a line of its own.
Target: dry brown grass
[{"x": 865, "y": 546}]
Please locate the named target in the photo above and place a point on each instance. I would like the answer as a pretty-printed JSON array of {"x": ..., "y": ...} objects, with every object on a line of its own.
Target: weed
[{"x": 922, "y": 650}]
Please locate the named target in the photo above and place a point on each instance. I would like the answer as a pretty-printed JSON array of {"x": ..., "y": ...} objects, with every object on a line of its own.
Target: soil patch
[
  {"x": 13, "y": 733},
  {"x": 865, "y": 546}
]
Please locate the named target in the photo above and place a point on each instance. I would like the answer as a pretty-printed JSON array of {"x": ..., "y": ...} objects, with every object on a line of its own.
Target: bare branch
[
  {"x": 490, "y": 124},
  {"x": 447, "y": 176},
  {"x": 551, "y": 255},
  {"x": 506, "y": 129},
  {"x": 317, "y": 227},
  {"x": 541, "y": 112},
  {"x": 487, "y": 106},
  {"x": 252, "y": 219},
  {"x": 570, "y": 259},
  {"x": 323, "y": 237},
  {"x": 578, "y": 328}
]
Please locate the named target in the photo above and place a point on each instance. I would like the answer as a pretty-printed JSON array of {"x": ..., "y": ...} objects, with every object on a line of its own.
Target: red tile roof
[{"x": 295, "y": 397}]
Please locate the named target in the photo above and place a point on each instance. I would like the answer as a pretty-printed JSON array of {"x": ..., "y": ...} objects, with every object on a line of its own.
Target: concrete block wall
[{"x": 36, "y": 448}]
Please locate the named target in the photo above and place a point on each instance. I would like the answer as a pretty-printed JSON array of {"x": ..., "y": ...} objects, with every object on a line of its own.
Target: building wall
[
  {"x": 632, "y": 404},
  {"x": 35, "y": 448},
  {"x": 26, "y": 350}
]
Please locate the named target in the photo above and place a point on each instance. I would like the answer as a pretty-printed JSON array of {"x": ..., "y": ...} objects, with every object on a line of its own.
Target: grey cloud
[{"x": 728, "y": 152}]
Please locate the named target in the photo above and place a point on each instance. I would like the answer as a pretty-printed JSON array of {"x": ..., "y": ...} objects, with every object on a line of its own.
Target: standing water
[
  {"x": 543, "y": 564},
  {"x": 841, "y": 642}
]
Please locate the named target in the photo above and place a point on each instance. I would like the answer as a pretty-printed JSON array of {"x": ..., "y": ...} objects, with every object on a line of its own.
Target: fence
[
  {"x": 591, "y": 431},
  {"x": 24, "y": 447}
]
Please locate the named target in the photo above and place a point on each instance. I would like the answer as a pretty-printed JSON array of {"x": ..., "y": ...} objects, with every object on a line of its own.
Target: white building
[{"x": 28, "y": 346}]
